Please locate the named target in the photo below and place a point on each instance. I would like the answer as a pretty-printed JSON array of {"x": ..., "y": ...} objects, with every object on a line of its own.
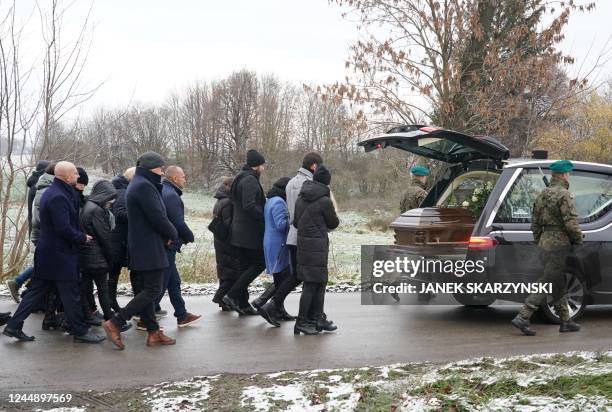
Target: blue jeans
[
  {"x": 24, "y": 276},
  {"x": 172, "y": 283}
]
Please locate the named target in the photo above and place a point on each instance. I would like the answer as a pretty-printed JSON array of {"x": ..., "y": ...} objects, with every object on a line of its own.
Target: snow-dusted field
[{"x": 574, "y": 381}]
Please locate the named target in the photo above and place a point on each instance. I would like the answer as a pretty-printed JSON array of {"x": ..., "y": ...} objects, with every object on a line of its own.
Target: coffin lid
[{"x": 433, "y": 217}]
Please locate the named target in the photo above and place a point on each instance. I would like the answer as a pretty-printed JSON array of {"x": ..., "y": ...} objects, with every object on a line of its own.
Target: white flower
[
  {"x": 465, "y": 204},
  {"x": 477, "y": 191},
  {"x": 489, "y": 185},
  {"x": 474, "y": 199}
]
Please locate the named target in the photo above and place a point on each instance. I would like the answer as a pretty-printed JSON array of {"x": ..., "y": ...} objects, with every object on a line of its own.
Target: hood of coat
[
  {"x": 222, "y": 192},
  {"x": 120, "y": 182},
  {"x": 102, "y": 192},
  {"x": 312, "y": 191},
  {"x": 44, "y": 181}
]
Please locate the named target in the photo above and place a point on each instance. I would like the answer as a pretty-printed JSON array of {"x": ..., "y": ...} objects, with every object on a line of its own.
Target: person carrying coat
[
  {"x": 96, "y": 257},
  {"x": 315, "y": 215},
  {"x": 119, "y": 234},
  {"x": 276, "y": 252},
  {"x": 149, "y": 231},
  {"x": 248, "y": 201},
  {"x": 56, "y": 257}
]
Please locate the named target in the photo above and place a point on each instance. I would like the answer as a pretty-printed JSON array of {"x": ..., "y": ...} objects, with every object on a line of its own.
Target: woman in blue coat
[{"x": 276, "y": 216}]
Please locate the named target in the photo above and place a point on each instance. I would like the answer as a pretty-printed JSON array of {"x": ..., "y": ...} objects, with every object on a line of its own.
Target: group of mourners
[
  {"x": 284, "y": 232},
  {"x": 136, "y": 221}
]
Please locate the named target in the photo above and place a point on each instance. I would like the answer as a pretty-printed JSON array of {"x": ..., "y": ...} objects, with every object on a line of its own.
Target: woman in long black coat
[
  {"x": 315, "y": 215},
  {"x": 226, "y": 255}
]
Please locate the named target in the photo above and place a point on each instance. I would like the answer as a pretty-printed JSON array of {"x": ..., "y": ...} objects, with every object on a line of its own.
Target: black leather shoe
[
  {"x": 523, "y": 325},
  {"x": 268, "y": 312},
  {"x": 4, "y": 317},
  {"x": 89, "y": 337},
  {"x": 305, "y": 327},
  {"x": 569, "y": 326},
  {"x": 322, "y": 324},
  {"x": 248, "y": 311},
  {"x": 17, "y": 334},
  {"x": 233, "y": 304}
]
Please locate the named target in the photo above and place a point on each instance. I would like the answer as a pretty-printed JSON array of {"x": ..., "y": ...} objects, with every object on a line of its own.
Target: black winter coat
[
  {"x": 149, "y": 229},
  {"x": 248, "y": 201},
  {"x": 120, "y": 233},
  {"x": 175, "y": 208},
  {"x": 96, "y": 255},
  {"x": 226, "y": 255},
  {"x": 315, "y": 215}
]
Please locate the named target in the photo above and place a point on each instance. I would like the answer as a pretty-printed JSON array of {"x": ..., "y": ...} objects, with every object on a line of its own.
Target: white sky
[{"x": 145, "y": 49}]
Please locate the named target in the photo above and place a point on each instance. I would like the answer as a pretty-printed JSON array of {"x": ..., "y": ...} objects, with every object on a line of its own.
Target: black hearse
[{"x": 446, "y": 226}]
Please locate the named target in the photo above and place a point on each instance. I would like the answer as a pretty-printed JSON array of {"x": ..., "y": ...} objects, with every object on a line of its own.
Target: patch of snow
[
  {"x": 548, "y": 404},
  {"x": 163, "y": 397},
  {"x": 261, "y": 399}
]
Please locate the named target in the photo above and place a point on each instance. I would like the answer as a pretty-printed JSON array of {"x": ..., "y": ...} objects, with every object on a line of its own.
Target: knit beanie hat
[
  {"x": 322, "y": 175},
  {"x": 254, "y": 158},
  {"x": 150, "y": 160}
]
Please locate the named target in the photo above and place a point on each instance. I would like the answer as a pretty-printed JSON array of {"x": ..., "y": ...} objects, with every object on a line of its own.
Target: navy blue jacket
[
  {"x": 149, "y": 229},
  {"x": 120, "y": 233},
  {"x": 175, "y": 208},
  {"x": 57, "y": 250}
]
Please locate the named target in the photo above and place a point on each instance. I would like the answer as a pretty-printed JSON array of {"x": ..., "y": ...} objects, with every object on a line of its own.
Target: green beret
[
  {"x": 419, "y": 171},
  {"x": 561, "y": 166}
]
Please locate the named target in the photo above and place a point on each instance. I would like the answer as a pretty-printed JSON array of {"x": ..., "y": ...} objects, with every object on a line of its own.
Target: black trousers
[
  {"x": 255, "y": 263},
  {"x": 69, "y": 294},
  {"x": 101, "y": 281},
  {"x": 113, "y": 281},
  {"x": 312, "y": 300},
  {"x": 291, "y": 281},
  {"x": 150, "y": 284}
]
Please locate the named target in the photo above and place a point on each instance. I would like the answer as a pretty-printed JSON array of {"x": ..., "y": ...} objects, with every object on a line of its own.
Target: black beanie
[
  {"x": 254, "y": 158},
  {"x": 322, "y": 175},
  {"x": 150, "y": 160},
  {"x": 83, "y": 178}
]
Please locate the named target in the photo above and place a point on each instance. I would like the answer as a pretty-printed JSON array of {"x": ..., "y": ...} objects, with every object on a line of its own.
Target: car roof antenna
[{"x": 544, "y": 178}]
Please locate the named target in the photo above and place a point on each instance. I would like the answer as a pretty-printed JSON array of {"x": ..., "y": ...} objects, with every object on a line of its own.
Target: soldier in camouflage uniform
[
  {"x": 555, "y": 230},
  {"x": 416, "y": 193}
]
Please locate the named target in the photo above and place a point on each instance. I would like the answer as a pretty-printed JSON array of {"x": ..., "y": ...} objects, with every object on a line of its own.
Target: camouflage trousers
[{"x": 554, "y": 273}]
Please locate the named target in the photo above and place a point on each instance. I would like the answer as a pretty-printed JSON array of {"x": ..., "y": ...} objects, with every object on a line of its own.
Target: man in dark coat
[
  {"x": 149, "y": 232},
  {"x": 172, "y": 190},
  {"x": 226, "y": 255},
  {"x": 55, "y": 259},
  {"x": 95, "y": 257},
  {"x": 119, "y": 235},
  {"x": 248, "y": 201},
  {"x": 315, "y": 215}
]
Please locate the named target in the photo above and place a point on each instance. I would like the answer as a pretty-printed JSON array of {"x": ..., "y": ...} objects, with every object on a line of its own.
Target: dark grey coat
[{"x": 149, "y": 230}]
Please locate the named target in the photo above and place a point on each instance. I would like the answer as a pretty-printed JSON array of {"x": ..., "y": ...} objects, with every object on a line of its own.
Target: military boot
[
  {"x": 265, "y": 296},
  {"x": 569, "y": 326},
  {"x": 523, "y": 324}
]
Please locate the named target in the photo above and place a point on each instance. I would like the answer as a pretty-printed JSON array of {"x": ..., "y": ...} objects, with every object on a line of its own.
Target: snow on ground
[{"x": 406, "y": 387}]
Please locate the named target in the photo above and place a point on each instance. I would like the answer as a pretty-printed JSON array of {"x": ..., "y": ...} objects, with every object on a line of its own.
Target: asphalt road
[{"x": 223, "y": 342}]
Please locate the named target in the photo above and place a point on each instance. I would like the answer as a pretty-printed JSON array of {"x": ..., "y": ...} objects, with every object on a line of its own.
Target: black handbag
[{"x": 219, "y": 229}]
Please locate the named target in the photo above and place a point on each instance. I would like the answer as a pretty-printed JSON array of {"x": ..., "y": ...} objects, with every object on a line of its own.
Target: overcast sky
[{"x": 145, "y": 49}]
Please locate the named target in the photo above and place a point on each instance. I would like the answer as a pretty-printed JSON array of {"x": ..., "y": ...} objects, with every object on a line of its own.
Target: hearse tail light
[{"x": 481, "y": 243}]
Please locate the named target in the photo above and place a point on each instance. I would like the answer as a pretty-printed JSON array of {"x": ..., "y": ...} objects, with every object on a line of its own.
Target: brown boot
[
  {"x": 113, "y": 333},
  {"x": 158, "y": 338}
]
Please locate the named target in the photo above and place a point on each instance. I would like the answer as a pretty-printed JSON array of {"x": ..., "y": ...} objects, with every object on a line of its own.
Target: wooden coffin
[{"x": 433, "y": 226}]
